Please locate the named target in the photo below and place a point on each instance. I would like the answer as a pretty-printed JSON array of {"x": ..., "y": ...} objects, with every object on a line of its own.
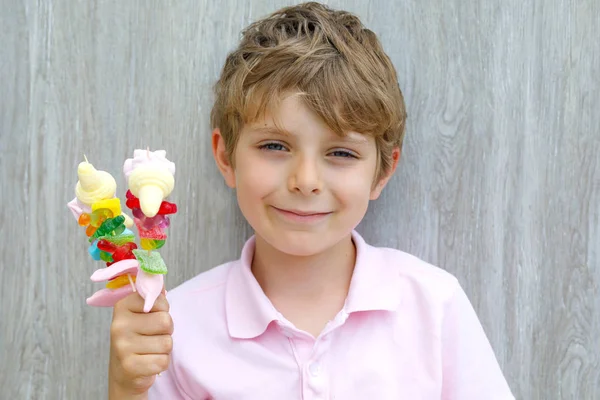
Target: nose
[{"x": 305, "y": 176}]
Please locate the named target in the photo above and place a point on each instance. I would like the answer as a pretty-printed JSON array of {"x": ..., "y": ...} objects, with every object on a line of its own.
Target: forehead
[{"x": 291, "y": 117}]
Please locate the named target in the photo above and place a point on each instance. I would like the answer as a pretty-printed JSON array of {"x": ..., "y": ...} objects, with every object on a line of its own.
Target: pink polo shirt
[{"x": 407, "y": 331}]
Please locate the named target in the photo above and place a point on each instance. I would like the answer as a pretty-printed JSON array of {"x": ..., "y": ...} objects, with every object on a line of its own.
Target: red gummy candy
[
  {"x": 167, "y": 208},
  {"x": 154, "y": 233},
  {"x": 164, "y": 209},
  {"x": 133, "y": 203},
  {"x": 106, "y": 246},
  {"x": 124, "y": 256},
  {"x": 124, "y": 252}
]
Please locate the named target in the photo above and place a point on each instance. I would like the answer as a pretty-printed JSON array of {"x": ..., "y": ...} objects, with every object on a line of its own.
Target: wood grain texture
[{"x": 499, "y": 181}]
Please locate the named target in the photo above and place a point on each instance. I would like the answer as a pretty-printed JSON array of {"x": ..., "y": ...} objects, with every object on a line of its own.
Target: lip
[{"x": 302, "y": 216}]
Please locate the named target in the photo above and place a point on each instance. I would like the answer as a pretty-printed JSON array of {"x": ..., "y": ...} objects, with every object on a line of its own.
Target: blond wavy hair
[{"x": 328, "y": 56}]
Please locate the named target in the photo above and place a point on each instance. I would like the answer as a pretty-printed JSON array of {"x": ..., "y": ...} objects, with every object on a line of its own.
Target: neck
[{"x": 305, "y": 278}]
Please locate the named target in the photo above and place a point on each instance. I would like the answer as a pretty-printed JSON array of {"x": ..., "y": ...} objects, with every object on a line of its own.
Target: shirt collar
[{"x": 249, "y": 311}]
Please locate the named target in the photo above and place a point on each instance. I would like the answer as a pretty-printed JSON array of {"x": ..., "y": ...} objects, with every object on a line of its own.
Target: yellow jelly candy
[
  {"x": 99, "y": 216},
  {"x": 151, "y": 244},
  {"x": 113, "y": 205},
  {"x": 119, "y": 281}
]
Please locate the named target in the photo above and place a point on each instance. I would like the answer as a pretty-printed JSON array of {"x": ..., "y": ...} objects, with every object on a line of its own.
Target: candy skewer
[
  {"x": 131, "y": 282},
  {"x": 96, "y": 208}
]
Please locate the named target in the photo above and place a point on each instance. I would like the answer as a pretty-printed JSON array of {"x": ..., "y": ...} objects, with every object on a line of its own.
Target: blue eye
[
  {"x": 342, "y": 153},
  {"x": 272, "y": 146}
]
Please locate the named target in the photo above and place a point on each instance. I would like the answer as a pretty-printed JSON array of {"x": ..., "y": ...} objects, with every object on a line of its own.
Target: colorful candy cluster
[
  {"x": 151, "y": 230},
  {"x": 96, "y": 209},
  {"x": 150, "y": 178}
]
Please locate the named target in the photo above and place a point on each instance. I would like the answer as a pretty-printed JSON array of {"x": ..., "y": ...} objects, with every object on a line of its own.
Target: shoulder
[
  {"x": 201, "y": 296},
  {"x": 204, "y": 283},
  {"x": 415, "y": 276}
]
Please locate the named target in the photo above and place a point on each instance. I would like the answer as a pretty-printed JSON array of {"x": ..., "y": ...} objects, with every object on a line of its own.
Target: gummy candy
[
  {"x": 119, "y": 281},
  {"x": 90, "y": 230},
  {"x": 150, "y": 262},
  {"x": 162, "y": 221},
  {"x": 151, "y": 244},
  {"x": 84, "y": 219},
  {"x": 118, "y": 253},
  {"x": 123, "y": 253},
  {"x": 99, "y": 216},
  {"x": 104, "y": 256},
  {"x": 109, "y": 247},
  {"x": 114, "y": 205},
  {"x": 94, "y": 251},
  {"x": 137, "y": 213},
  {"x": 132, "y": 203},
  {"x": 165, "y": 208},
  {"x": 110, "y": 225},
  {"x": 119, "y": 239},
  {"x": 106, "y": 246},
  {"x": 154, "y": 233}
]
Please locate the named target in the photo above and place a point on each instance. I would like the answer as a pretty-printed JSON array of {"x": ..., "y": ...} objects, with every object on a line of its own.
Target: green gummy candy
[
  {"x": 120, "y": 239},
  {"x": 111, "y": 224},
  {"x": 151, "y": 263},
  {"x": 104, "y": 256}
]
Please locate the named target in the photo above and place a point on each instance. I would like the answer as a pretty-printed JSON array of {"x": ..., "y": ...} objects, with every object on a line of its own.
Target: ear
[
  {"x": 376, "y": 191},
  {"x": 222, "y": 159}
]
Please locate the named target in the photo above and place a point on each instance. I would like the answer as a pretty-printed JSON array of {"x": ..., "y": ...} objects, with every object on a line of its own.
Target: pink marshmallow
[
  {"x": 78, "y": 208},
  {"x": 108, "y": 297},
  {"x": 149, "y": 286},
  {"x": 119, "y": 268}
]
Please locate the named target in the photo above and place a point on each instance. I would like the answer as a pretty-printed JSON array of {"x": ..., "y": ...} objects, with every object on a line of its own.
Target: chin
[{"x": 303, "y": 243}]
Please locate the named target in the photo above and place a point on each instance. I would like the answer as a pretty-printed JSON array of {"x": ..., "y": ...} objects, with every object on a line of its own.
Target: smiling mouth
[
  {"x": 302, "y": 217},
  {"x": 303, "y": 213}
]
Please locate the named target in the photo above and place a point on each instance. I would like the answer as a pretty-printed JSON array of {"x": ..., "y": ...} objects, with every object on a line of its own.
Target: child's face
[{"x": 305, "y": 189}]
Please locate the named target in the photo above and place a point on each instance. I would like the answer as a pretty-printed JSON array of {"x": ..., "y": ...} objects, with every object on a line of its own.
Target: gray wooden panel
[{"x": 499, "y": 181}]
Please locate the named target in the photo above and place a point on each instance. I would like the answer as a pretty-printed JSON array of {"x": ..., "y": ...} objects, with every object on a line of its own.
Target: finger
[
  {"x": 157, "y": 344},
  {"x": 147, "y": 364},
  {"x": 151, "y": 297},
  {"x": 160, "y": 304},
  {"x": 157, "y": 323},
  {"x": 135, "y": 303}
]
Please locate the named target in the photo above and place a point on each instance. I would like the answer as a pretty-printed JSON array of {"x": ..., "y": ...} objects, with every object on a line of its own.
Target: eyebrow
[{"x": 272, "y": 130}]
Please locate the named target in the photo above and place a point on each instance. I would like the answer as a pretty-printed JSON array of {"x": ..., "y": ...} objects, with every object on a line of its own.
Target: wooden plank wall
[{"x": 499, "y": 181}]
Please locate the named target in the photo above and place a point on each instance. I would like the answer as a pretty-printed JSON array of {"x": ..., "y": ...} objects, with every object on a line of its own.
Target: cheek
[
  {"x": 255, "y": 178},
  {"x": 354, "y": 189}
]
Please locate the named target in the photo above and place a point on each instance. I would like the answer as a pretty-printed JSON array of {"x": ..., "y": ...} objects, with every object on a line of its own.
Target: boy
[{"x": 308, "y": 125}]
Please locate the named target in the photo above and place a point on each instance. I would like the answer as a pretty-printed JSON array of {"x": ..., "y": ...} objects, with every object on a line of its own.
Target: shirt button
[{"x": 314, "y": 368}]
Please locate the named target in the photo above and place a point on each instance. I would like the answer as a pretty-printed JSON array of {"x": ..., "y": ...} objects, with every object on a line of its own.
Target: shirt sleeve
[{"x": 469, "y": 366}]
